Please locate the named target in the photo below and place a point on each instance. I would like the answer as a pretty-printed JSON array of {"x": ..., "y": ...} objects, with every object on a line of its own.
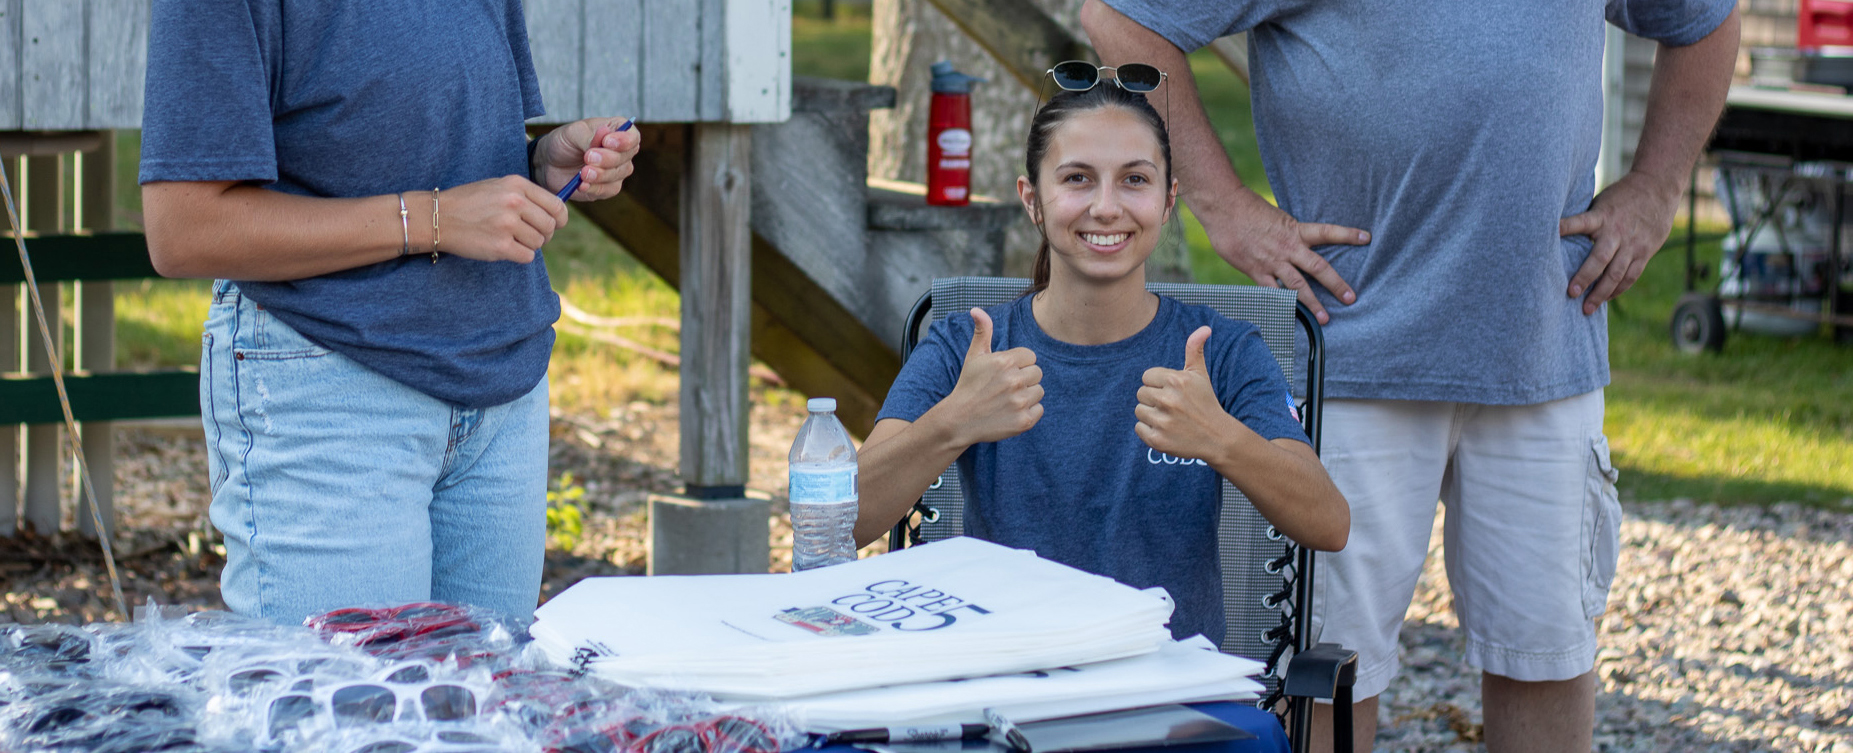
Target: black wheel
[{"x": 1698, "y": 324}]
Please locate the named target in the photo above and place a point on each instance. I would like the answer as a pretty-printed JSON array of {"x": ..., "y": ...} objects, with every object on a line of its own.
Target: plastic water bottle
[{"x": 823, "y": 490}]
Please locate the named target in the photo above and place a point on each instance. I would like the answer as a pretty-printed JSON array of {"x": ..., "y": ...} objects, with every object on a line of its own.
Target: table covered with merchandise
[{"x": 958, "y": 632}]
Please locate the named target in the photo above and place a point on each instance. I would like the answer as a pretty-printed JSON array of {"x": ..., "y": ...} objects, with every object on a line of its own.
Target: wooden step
[{"x": 836, "y": 263}]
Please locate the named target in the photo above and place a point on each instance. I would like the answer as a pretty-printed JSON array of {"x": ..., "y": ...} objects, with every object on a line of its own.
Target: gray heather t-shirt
[
  {"x": 1458, "y": 132},
  {"x": 363, "y": 99},
  {"x": 1080, "y": 487}
]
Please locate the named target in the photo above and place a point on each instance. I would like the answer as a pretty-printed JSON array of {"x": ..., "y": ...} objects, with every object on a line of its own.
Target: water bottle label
[{"x": 836, "y": 485}]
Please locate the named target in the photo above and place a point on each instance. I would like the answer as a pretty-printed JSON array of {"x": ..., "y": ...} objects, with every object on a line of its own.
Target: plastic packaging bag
[
  {"x": 101, "y": 716},
  {"x": 299, "y": 700},
  {"x": 50, "y": 648},
  {"x": 664, "y": 722},
  {"x": 422, "y": 630},
  {"x": 160, "y": 650},
  {"x": 416, "y": 678}
]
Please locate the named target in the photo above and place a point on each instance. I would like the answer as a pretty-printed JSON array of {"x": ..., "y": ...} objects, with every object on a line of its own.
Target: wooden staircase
[{"x": 836, "y": 262}]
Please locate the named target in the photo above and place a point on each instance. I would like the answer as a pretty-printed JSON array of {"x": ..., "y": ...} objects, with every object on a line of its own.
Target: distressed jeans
[{"x": 335, "y": 486}]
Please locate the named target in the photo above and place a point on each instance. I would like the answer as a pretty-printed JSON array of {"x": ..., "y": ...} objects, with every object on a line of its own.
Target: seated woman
[{"x": 1092, "y": 421}]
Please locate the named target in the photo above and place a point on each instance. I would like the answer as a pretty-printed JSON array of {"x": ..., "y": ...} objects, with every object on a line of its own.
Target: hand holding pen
[
  {"x": 506, "y": 218},
  {"x": 597, "y": 156}
]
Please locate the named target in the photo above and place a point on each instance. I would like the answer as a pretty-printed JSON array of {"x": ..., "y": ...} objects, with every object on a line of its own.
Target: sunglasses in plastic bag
[
  {"x": 368, "y": 627},
  {"x": 405, "y": 693}
]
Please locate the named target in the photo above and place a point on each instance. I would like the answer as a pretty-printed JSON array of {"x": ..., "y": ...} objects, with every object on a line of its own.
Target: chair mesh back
[{"x": 1246, "y": 544}]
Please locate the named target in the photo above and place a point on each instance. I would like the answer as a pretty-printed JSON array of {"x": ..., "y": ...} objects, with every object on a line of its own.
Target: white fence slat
[
  {"x": 51, "y": 69},
  {"x": 556, "y": 39},
  {"x": 671, "y": 34},
  {"x": 44, "y": 213},
  {"x": 611, "y": 82},
  {"x": 757, "y": 45},
  {"x": 118, "y": 62}
]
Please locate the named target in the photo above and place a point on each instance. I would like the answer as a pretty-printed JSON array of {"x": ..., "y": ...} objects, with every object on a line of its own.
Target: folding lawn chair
[{"x": 1267, "y": 579}]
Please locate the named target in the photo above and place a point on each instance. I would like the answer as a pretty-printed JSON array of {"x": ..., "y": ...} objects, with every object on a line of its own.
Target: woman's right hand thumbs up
[{"x": 999, "y": 395}]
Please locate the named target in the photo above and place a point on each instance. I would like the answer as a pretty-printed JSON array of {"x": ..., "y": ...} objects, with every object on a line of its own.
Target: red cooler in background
[
  {"x": 1824, "y": 23},
  {"x": 949, "y": 137},
  {"x": 1824, "y": 37}
]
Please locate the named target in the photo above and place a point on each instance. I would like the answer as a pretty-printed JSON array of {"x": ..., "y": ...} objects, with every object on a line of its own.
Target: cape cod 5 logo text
[{"x": 1158, "y": 458}]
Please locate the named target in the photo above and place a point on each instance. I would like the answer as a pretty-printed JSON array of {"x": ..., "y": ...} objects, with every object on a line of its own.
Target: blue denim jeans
[{"x": 334, "y": 486}]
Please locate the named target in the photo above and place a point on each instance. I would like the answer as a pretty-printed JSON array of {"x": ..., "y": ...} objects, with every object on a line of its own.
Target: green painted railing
[{"x": 112, "y": 396}]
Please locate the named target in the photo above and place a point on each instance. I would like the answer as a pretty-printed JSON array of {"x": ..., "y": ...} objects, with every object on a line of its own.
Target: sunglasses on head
[{"x": 1080, "y": 76}]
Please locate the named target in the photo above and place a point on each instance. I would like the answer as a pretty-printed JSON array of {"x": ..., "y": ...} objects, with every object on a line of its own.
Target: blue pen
[{"x": 573, "y": 185}]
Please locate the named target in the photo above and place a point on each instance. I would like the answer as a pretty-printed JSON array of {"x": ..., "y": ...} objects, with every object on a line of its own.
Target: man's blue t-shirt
[
  {"x": 1458, "y": 132},
  {"x": 364, "y": 99},
  {"x": 1080, "y": 487}
]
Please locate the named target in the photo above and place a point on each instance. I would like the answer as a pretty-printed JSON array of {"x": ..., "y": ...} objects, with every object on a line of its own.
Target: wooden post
[
  {"x": 44, "y": 213},
  {"x": 95, "y": 334},
  {"x": 716, "y": 528},
  {"x": 9, "y": 362},
  {"x": 716, "y": 310}
]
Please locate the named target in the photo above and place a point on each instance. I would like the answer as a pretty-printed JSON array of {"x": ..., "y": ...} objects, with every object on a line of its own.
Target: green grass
[
  {"x": 1769, "y": 420},
  {"x": 834, "y": 48},
  {"x": 599, "y": 276},
  {"x": 1226, "y": 99}
]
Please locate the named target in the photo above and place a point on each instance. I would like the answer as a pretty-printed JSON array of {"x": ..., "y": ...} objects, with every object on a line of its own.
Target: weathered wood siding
[
  {"x": 663, "y": 61},
  {"x": 1628, "y": 68},
  {"x": 69, "y": 65}
]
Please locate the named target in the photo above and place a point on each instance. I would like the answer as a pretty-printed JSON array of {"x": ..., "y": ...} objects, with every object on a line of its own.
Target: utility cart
[{"x": 1784, "y": 161}]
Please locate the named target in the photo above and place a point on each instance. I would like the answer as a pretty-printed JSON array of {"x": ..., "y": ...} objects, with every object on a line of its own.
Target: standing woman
[
  {"x": 357, "y": 178},
  {"x": 1093, "y": 421}
]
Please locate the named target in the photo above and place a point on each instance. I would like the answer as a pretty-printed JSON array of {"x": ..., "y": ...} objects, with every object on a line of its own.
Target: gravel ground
[{"x": 1728, "y": 628}]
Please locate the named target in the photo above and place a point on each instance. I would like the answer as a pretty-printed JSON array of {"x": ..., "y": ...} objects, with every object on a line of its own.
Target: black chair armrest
[{"x": 1326, "y": 671}]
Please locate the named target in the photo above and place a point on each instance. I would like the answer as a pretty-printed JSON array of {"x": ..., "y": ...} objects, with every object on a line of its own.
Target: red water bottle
[{"x": 949, "y": 137}]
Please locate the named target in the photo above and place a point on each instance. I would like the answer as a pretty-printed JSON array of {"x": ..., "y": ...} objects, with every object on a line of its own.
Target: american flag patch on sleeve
[{"x": 1292, "y": 410}]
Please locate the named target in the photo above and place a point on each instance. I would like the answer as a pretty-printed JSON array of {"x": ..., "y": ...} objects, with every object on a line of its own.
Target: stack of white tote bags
[{"x": 937, "y": 632}]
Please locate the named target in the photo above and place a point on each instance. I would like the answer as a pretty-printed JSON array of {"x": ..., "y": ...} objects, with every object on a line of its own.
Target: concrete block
[{"x": 709, "y": 536}]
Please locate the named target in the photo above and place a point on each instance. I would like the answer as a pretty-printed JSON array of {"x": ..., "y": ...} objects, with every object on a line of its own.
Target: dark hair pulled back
[{"x": 1060, "y": 108}]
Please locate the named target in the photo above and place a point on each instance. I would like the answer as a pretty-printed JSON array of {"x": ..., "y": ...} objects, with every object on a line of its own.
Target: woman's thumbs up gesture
[
  {"x": 999, "y": 395},
  {"x": 1178, "y": 413}
]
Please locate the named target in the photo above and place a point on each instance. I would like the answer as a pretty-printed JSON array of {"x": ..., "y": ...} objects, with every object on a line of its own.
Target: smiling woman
[{"x": 1092, "y": 421}]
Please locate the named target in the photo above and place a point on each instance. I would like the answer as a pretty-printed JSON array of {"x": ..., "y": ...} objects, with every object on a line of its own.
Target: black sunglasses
[{"x": 1080, "y": 76}]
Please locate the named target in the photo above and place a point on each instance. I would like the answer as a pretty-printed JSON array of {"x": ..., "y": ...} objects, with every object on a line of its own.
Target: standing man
[{"x": 1467, "y": 335}]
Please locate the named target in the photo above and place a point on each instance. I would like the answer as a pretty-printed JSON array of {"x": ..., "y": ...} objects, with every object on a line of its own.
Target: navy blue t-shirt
[
  {"x": 364, "y": 99},
  {"x": 1082, "y": 488}
]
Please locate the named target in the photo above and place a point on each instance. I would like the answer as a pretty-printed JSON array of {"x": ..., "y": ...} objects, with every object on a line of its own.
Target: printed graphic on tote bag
[{"x": 825, "y": 621}]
